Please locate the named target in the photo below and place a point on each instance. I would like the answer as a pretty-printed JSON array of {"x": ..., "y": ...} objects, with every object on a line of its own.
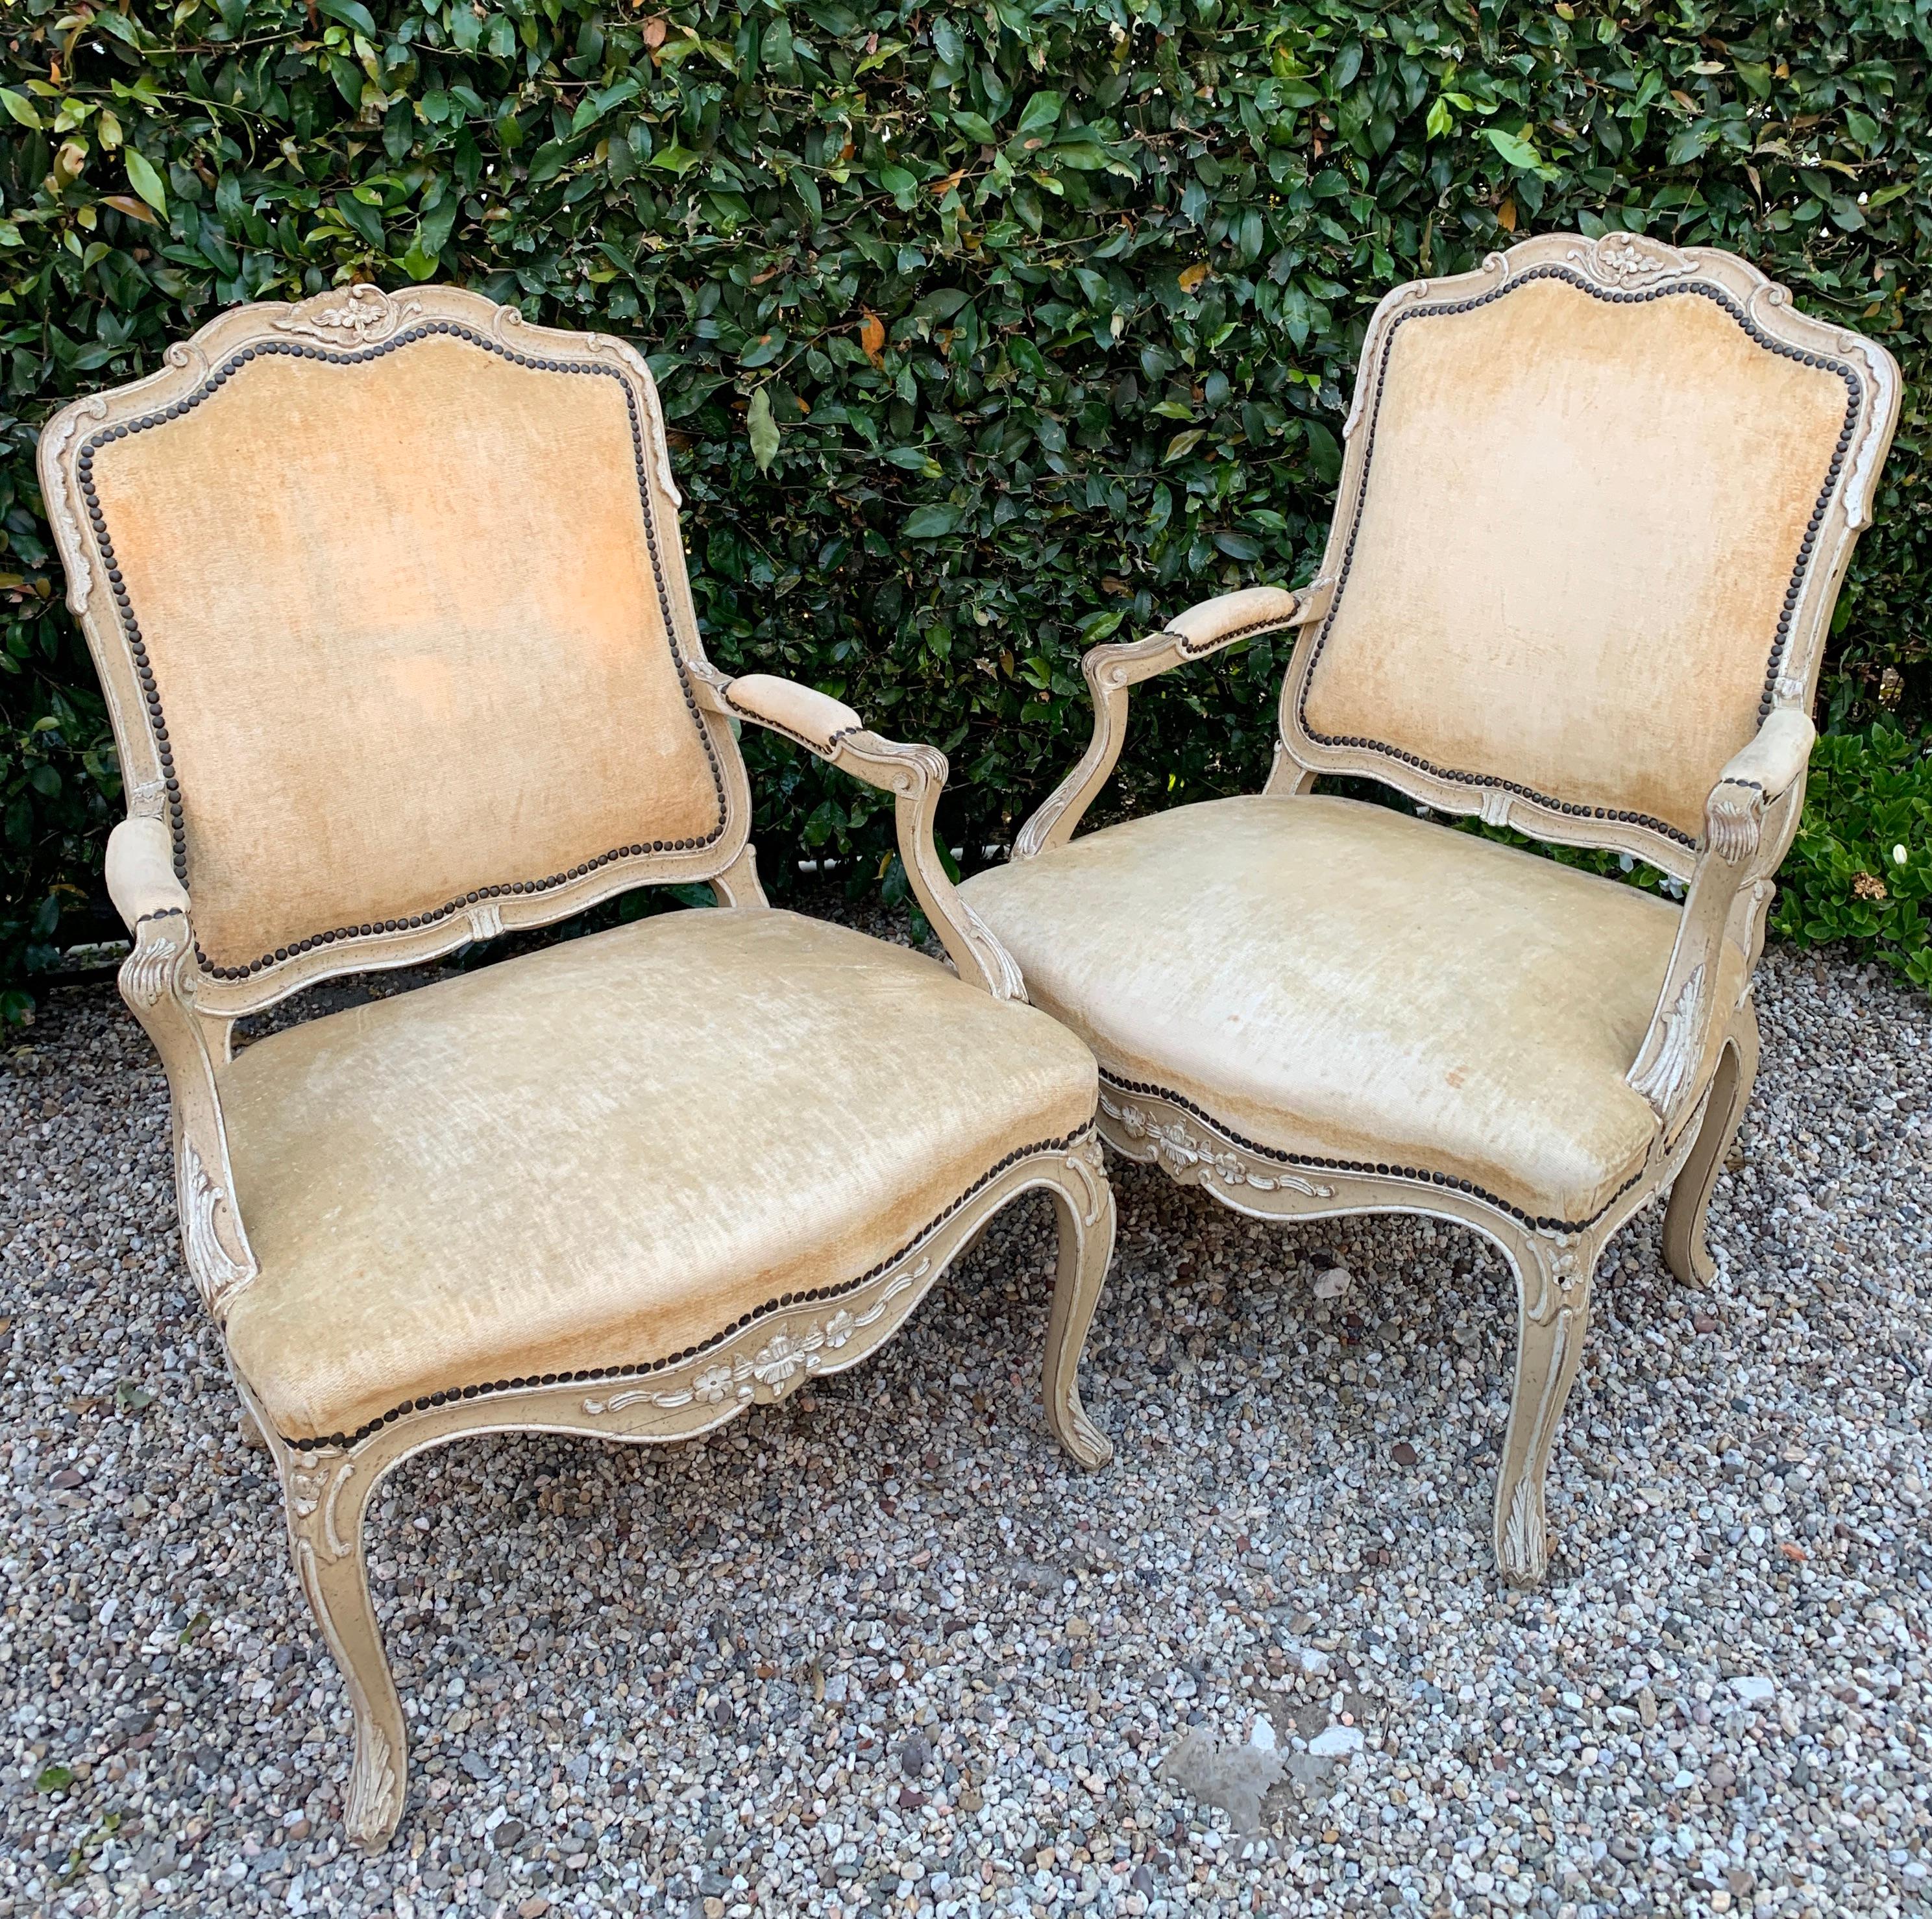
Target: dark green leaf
[
  {"x": 930, "y": 522},
  {"x": 353, "y": 14},
  {"x": 762, "y": 429}
]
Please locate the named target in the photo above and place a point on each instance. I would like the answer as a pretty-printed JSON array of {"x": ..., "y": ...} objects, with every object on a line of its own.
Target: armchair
[
  {"x": 387, "y": 595},
  {"x": 1596, "y": 501}
]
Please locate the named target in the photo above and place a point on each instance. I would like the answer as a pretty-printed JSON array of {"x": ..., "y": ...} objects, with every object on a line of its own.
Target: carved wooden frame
[
  {"x": 188, "y": 1008},
  {"x": 1698, "y": 1058}
]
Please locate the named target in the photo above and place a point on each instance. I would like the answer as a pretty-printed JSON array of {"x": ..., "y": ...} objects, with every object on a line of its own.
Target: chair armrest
[
  {"x": 814, "y": 720},
  {"x": 157, "y": 980},
  {"x": 1760, "y": 772},
  {"x": 1210, "y": 625},
  {"x": 914, "y": 774},
  {"x": 141, "y": 878},
  {"x": 1764, "y": 778},
  {"x": 1110, "y": 670}
]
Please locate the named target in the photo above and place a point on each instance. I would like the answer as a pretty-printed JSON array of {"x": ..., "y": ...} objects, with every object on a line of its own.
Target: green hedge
[
  {"x": 984, "y": 332},
  {"x": 1859, "y": 872}
]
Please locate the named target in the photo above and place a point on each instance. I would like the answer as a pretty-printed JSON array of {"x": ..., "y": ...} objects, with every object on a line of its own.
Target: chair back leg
[{"x": 1685, "y": 1248}]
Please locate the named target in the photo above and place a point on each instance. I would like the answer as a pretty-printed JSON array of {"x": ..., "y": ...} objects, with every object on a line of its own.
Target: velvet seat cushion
[
  {"x": 607, "y": 1152},
  {"x": 1333, "y": 979}
]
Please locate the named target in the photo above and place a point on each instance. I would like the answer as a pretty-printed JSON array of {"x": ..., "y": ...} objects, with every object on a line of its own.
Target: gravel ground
[{"x": 877, "y": 1649}]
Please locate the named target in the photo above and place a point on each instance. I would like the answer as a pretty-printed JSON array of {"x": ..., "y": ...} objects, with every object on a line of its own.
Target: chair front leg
[
  {"x": 327, "y": 1494},
  {"x": 1083, "y": 1205},
  {"x": 1685, "y": 1248},
  {"x": 1552, "y": 1278}
]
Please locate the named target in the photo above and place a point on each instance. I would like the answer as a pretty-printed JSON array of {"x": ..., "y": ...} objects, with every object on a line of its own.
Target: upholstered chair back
[
  {"x": 389, "y": 596},
  {"x": 1583, "y": 544}
]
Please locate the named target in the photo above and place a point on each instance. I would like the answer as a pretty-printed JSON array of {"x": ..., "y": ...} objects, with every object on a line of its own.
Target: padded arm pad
[
  {"x": 141, "y": 871},
  {"x": 1772, "y": 760},
  {"x": 812, "y": 718},
  {"x": 1234, "y": 615}
]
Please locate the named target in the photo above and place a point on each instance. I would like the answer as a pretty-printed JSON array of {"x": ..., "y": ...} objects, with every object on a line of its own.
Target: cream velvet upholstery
[
  {"x": 814, "y": 719},
  {"x": 1577, "y": 529},
  {"x": 1333, "y": 979},
  {"x": 406, "y": 632},
  {"x": 1251, "y": 610},
  {"x": 607, "y": 1152}
]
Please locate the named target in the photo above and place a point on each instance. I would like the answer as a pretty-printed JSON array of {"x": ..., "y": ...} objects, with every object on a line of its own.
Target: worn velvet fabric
[
  {"x": 1580, "y": 522},
  {"x": 406, "y": 634},
  {"x": 1333, "y": 977},
  {"x": 607, "y": 1152},
  {"x": 1229, "y": 614},
  {"x": 802, "y": 711}
]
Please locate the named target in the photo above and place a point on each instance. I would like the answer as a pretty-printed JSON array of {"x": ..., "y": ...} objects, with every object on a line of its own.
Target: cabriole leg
[
  {"x": 1553, "y": 1314},
  {"x": 1085, "y": 1208},
  {"x": 1685, "y": 1249},
  {"x": 326, "y": 1495}
]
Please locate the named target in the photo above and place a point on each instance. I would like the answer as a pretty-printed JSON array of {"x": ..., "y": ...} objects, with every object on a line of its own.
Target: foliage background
[{"x": 984, "y": 330}]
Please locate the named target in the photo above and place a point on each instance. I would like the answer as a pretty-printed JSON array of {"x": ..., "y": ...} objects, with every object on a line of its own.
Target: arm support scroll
[
  {"x": 914, "y": 774},
  {"x": 157, "y": 980},
  {"x": 1759, "y": 774},
  {"x": 1760, "y": 784},
  {"x": 1111, "y": 669}
]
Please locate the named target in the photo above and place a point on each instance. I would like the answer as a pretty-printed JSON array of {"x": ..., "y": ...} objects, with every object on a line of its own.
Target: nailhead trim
[
  {"x": 1780, "y": 642},
  {"x": 741, "y": 1325},
  {"x": 1420, "y": 1175},
  {"x": 825, "y": 752},
  {"x": 144, "y": 670},
  {"x": 1195, "y": 649}
]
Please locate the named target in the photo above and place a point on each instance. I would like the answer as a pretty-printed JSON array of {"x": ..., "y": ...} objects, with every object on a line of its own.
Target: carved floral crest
[
  {"x": 357, "y": 315},
  {"x": 1627, "y": 262}
]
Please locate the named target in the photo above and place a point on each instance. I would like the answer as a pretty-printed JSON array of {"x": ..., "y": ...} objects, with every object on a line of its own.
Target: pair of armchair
[{"x": 388, "y": 601}]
